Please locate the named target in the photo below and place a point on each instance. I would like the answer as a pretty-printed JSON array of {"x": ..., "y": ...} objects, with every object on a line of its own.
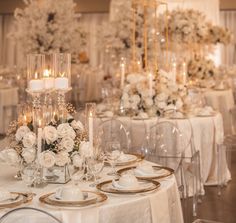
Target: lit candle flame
[
  {"x": 47, "y": 73},
  {"x": 62, "y": 74},
  {"x": 39, "y": 123}
]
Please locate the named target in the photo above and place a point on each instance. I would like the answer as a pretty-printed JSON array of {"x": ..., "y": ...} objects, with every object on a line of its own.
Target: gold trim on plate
[
  {"x": 139, "y": 158},
  {"x": 103, "y": 187},
  {"x": 170, "y": 172},
  {"x": 24, "y": 198},
  {"x": 100, "y": 198}
]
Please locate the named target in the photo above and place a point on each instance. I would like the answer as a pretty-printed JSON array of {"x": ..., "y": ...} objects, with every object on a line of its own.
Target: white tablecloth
[
  {"x": 161, "y": 206},
  {"x": 222, "y": 101},
  {"x": 8, "y": 103},
  {"x": 207, "y": 132}
]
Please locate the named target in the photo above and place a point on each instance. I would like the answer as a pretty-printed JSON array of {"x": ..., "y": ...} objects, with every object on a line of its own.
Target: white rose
[
  {"x": 50, "y": 134},
  {"x": 67, "y": 143},
  {"x": 77, "y": 160},
  {"x": 10, "y": 156},
  {"x": 148, "y": 102},
  {"x": 29, "y": 140},
  {"x": 162, "y": 97},
  {"x": 179, "y": 104},
  {"x": 47, "y": 159},
  {"x": 21, "y": 132},
  {"x": 161, "y": 104},
  {"x": 28, "y": 154},
  {"x": 152, "y": 112},
  {"x": 62, "y": 158},
  {"x": 77, "y": 125},
  {"x": 64, "y": 130},
  {"x": 85, "y": 149}
]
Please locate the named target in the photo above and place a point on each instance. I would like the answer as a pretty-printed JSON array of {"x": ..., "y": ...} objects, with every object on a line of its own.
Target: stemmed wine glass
[
  {"x": 95, "y": 165},
  {"x": 77, "y": 172},
  {"x": 113, "y": 153}
]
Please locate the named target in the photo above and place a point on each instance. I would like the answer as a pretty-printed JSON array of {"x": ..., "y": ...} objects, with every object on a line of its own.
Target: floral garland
[
  {"x": 48, "y": 26},
  {"x": 164, "y": 94}
]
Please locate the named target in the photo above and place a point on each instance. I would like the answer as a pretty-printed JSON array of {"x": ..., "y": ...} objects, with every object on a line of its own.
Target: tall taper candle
[
  {"x": 39, "y": 138},
  {"x": 122, "y": 75},
  {"x": 90, "y": 122}
]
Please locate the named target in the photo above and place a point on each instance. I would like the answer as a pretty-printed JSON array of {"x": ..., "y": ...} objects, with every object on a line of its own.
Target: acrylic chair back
[
  {"x": 28, "y": 215},
  {"x": 110, "y": 131},
  {"x": 167, "y": 144}
]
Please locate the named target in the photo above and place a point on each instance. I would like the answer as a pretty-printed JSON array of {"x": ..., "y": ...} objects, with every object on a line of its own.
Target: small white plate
[
  {"x": 128, "y": 158},
  {"x": 157, "y": 173},
  {"x": 142, "y": 186},
  {"x": 87, "y": 197}
]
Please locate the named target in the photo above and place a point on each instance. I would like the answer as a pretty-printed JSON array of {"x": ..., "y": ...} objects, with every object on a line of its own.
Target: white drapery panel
[
  {"x": 11, "y": 53},
  {"x": 227, "y": 19}
]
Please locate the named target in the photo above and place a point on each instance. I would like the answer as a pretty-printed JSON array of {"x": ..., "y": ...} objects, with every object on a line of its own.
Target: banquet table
[
  {"x": 8, "y": 104},
  {"x": 160, "y": 206},
  {"x": 207, "y": 133},
  {"x": 222, "y": 101}
]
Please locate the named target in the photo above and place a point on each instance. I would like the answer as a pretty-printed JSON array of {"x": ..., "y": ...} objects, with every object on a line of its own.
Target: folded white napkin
[{"x": 4, "y": 195}]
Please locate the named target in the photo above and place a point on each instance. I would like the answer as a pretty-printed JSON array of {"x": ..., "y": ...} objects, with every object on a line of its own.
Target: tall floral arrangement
[
  {"x": 163, "y": 94},
  {"x": 201, "y": 68},
  {"x": 48, "y": 26},
  {"x": 185, "y": 26},
  {"x": 217, "y": 34},
  {"x": 116, "y": 34}
]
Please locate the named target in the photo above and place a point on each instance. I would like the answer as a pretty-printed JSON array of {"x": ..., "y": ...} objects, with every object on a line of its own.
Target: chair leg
[{"x": 220, "y": 152}]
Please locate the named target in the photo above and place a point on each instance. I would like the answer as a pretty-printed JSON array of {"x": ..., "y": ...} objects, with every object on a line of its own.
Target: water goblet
[
  {"x": 113, "y": 153},
  {"x": 95, "y": 165},
  {"x": 77, "y": 171},
  {"x": 28, "y": 174}
]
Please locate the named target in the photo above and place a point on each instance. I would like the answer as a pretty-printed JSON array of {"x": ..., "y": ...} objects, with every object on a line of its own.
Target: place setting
[
  {"x": 10, "y": 199},
  {"x": 73, "y": 197},
  {"x": 147, "y": 171},
  {"x": 119, "y": 116},
  {"x": 128, "y": 184}
]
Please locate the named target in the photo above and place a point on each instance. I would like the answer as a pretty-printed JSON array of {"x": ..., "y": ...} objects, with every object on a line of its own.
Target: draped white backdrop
[
  {"x": 11, "y": 53},
  {"x": 227, "y": 19}
]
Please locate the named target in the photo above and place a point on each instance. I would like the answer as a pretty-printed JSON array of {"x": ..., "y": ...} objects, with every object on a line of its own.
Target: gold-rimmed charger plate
[
  {"x": 168, "y": 173},
  {"x": 208, "y": 115},
  {"x": 137, "y": 158},
  {"x": 58, "y": 203},
  {"x": 107, "y": 187},
  {"x": 22, "y": 198}
]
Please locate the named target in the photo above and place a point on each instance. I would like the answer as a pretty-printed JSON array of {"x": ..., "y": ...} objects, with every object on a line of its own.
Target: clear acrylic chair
[
  {"x": 224, "y": 151},
  {"x": 28, "y": 215},
  {"x": 112, "y": 130},
  {"x": 139, "y": 134},
  {"x": 168, "y": 146}
]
